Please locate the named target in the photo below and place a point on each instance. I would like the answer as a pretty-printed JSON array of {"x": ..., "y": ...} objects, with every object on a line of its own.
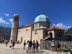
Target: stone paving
[{"x": 18, "y": 50}]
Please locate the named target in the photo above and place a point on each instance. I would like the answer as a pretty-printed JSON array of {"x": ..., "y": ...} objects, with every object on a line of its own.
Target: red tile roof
[
  {"x": 55, "y": 28},
  {"x": 26, "y": 25}
]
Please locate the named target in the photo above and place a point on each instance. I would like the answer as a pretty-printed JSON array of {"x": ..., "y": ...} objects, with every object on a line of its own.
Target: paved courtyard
[{"x": 18, "y": 50}]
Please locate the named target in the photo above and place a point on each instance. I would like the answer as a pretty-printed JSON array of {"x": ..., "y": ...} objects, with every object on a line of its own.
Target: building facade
[{"x": 39, "y": 29}]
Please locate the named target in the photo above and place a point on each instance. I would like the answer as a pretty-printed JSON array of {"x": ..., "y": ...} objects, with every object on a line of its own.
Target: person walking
[
  {"x": 37, "y": 45},
  {"x": 27, "y": 46},
  {"x": 33, "y": 46},
  {"x": 24, "y": 44},
  {"x": 13, "y": 44}
]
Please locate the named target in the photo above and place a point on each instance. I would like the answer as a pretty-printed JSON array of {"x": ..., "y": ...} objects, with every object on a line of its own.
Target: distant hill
[
  {"x": 68, "y": 35},
  {"x": 5, "y": 31},
  {"x": 69, "y": 31}
]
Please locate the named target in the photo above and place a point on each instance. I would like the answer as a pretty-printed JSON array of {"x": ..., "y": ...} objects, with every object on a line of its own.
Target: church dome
[{"x": 41, "y": 18}]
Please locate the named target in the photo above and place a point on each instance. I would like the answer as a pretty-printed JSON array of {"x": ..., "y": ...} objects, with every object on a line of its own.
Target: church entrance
[{"x": 50, "y": 34}]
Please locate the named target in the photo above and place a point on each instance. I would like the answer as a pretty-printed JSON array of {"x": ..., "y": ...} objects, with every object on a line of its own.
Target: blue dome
[{"x": 41, "y": 18}]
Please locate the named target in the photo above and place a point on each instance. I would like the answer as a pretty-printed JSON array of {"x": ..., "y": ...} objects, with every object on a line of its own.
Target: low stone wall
[
  {"x": 47, "y": 44},
  {"x": 58, "y": 52}
]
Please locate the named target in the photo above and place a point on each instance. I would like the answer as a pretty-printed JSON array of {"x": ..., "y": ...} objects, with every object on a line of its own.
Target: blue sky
[{"x": 59, "y": 12}]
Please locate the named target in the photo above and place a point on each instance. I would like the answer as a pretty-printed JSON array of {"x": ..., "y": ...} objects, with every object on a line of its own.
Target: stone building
[
  {"x": 39, "y": 29},
  {"x": 14, "y": 29},
  {"x": 55, "y": 33}
]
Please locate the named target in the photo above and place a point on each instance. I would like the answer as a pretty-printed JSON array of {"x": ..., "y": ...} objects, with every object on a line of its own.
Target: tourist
[
  {"x": 37, "y": 45},
  {"x": 6, "y": 42},
  {"x": 27, "y": 46},
  {"x": 10, "y": 43},
  {"x": 13, "y": 44},
  {"x": 33, "y": 46},
  {"x": 57, "y": 46},
  {"x": 53, "y": 44},
  {"x": 30, "y": 45},
  {"x": 24, "y": 44}
]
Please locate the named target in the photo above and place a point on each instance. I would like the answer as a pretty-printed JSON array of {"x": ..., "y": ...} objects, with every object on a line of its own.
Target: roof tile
[{"x": 55, "y": 28}]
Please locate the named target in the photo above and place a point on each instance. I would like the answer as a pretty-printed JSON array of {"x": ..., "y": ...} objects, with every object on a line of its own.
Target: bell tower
[{"x": 14, "y": 29}]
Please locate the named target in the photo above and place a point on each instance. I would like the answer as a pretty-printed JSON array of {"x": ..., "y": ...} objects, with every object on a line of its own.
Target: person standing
[
  {"x": 24, "y": 44},
  {"x": 27, "y": 46},
  {"x": 30, "y": 45},
  {"x": 57, "y": 46},
  {"x": 53, "y": 44},
  {"x": 33, "y": 46},
  {"x": 6, "y": 42},
  {"x": 13, "y": 44},
  {"x": 37, "y": 45}
]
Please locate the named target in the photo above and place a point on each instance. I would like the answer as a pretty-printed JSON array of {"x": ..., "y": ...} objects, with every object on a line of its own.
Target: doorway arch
[{"x": 50, "y": 34}]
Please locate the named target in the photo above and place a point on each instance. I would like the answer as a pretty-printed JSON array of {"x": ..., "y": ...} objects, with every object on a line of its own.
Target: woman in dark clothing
[
  {"x": 34, "y": 45},
  {"x": 37, "y": 45}
]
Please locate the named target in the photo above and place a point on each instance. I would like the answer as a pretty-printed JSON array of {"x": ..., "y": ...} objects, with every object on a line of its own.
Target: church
[{"x": 39, "y": 30}]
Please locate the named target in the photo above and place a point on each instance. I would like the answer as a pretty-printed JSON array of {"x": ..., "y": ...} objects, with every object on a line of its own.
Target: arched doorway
[{"x": 50, "y": 34}]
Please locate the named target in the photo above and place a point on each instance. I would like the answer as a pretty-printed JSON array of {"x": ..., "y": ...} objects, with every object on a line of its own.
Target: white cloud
[
  {"x": 10, "y": 20},
  {"x": 3, "y": 21},
  {"x": 6, "y": 14},
  {"x": 62, "y": 25},
  {"x": 68, "y": 27}
]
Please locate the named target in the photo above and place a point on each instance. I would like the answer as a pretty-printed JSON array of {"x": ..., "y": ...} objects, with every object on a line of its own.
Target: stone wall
[
  {"x": 24, "y": 34},
  {"x": 47, "y": 44},
  {"x": 54, "y": 52},
  {"x": 37, "y": 35}
]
